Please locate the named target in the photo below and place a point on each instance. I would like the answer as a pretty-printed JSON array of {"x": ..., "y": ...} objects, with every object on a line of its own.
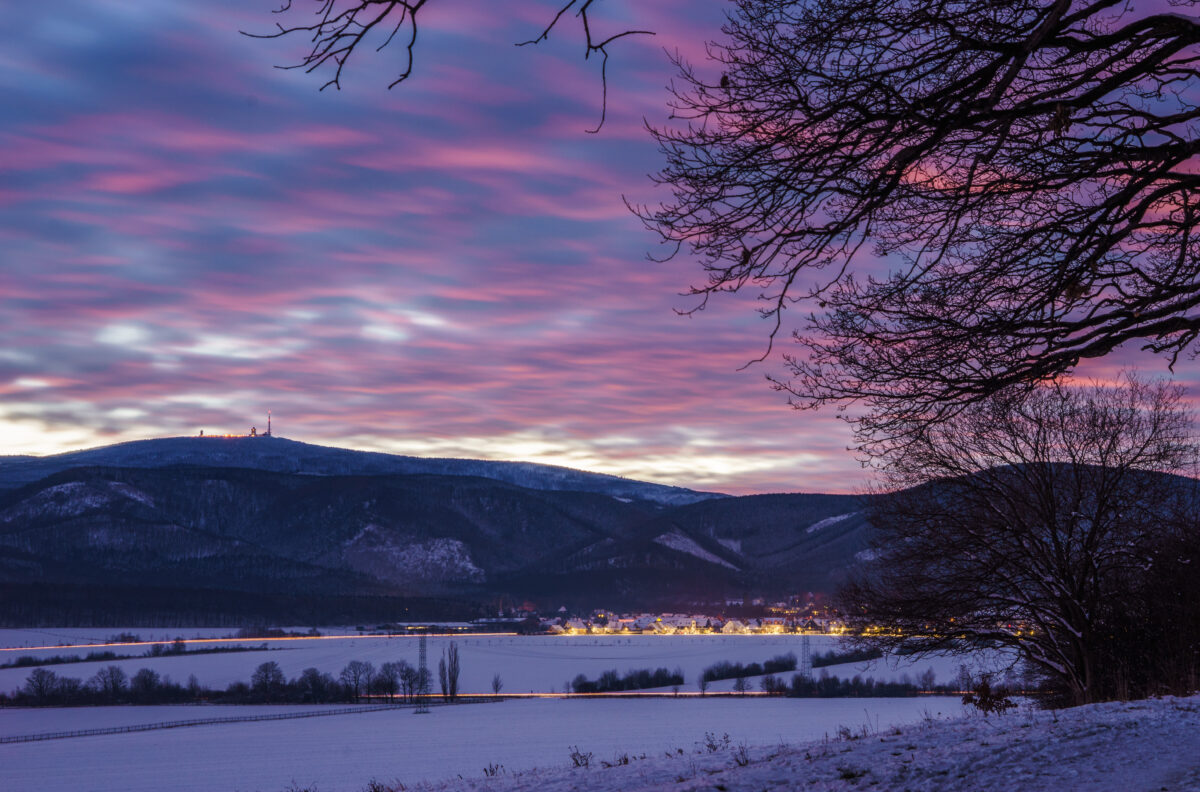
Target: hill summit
[{"x": 280, "y": 455}]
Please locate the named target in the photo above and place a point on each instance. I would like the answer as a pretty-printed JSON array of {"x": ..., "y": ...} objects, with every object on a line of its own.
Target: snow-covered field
[
  {"x": 41, "y": 720},
  {"x": 913, "y": 744},
  {"x": 525, "y": 664},
  {"x": 1141, "y": 746},
  {"x": 342, "y": 753}
]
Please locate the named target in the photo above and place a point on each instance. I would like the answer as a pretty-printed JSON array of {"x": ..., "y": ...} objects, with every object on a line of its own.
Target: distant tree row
[
  {"x": 109, "y": 685},
  {"x": 858, "y": 655},
  {"x": 856, "y": 687},
  {"x": 177, "y": 647},
  {"x": 727, "y": 670},
  {"x": 30, "y": 661},
  {"x": 268, "y": 684},
  {"x": 635, "y": 679}
]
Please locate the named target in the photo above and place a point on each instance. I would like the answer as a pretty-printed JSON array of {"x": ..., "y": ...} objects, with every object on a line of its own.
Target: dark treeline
[
  {"x": 832, "y": 657},
  {"x": 726, "y": 670},
  {"x": 275, "y": 632},
  {"x": 178, "y": 647},
  {"x": 356, "y": 682},
  {"x": 856, "y": 687},
  {"x": 29, "y": 661},
  {"x": 635, "y": 679}
]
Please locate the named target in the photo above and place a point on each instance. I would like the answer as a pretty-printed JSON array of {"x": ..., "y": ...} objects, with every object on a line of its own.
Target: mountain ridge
[
  {"x": 282, "y": 455},
  {"x": 217, "y": 541}
]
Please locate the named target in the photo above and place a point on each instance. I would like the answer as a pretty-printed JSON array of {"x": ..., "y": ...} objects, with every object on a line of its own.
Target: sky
[{"x": 190, "y": 237}]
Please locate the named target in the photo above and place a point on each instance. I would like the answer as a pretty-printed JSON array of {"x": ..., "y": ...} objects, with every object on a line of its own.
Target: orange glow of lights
[{"x": 614, "y": 694}]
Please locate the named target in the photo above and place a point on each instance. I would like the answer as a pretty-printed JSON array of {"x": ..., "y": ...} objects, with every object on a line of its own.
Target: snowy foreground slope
[{"x": 1129, "y": 747}]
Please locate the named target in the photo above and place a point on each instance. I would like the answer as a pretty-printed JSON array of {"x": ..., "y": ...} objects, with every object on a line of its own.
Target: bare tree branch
[
  {"x": 342, "y": 26},
  {"x": 1027, "y": 171}
]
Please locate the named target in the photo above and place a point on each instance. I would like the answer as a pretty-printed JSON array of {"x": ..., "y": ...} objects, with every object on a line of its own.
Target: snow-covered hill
[
  {"x": 1127, "y": 747},
  {"x": 280, "y": 455}
]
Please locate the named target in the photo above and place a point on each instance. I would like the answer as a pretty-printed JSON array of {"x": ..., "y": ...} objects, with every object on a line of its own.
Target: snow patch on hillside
[
  {"x": 400, "y": 559},
  {"x": 62, "y": 500},
  {"x": 733, "y": 544},
  {"x": 828, "y": 521},
  {"x": 685, "y": 544},
  {"x": 130, "y": 492}
]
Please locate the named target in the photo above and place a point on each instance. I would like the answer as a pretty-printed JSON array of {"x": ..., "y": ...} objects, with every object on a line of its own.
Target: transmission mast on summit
[{"x": 268, "y": 423}]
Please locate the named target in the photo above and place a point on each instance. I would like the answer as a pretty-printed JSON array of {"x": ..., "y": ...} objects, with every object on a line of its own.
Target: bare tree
[
  {"x": 356, "y": 677},
  {"x": 409, "y": 680},
  {"x": 41, "y": 685},
  {"x": 448, "y": 671},
  {"x": 387, "y": 681},
  {"x": 497, "y": 685},
  {"x": 343, "y": 27},
  {"x": 316, "y": 685},
  {"x": 70, "y": 689},
  {"x": 1022, "y": 522},
  {"x": 453, "y": 669},
  {"x": 1025, "y": 169},
  {"x": 144, "y": 684},
  {"x": 109, "y": 682},
  {"x": 268, "y": 680}
]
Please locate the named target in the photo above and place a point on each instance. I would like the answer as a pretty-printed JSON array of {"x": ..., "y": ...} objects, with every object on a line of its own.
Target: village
[{"x": 799, "y": 614}]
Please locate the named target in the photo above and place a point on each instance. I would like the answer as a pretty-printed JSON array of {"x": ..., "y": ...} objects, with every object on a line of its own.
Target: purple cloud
[{"x": 192, "y": 237}]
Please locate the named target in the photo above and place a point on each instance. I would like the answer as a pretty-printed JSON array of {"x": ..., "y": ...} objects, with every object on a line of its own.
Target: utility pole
[{"x": 422, "y": 679}]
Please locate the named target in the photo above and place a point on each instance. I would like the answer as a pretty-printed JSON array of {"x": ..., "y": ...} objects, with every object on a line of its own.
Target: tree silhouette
[
  {"x": 342, "y": 28},
  {"x": 268, "y": 681},
  {"x": 1045, "y": 526},
  {"x": 110, "y": 682},
  {"x": 1026, "y": 169}
]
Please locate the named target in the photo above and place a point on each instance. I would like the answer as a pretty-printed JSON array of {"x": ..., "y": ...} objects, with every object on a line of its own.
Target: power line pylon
[{"x": 422, "y": 678}]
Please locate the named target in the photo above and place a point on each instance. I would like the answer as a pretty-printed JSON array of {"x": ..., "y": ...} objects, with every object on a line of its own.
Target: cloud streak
[{"x": 191, "y": 237}]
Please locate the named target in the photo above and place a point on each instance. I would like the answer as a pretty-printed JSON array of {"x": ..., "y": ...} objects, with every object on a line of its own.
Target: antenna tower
[
  {"x": 422, "y": 679},
  {"x": 268, "y": 423},
  {"x": 805, "y": 669}
]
